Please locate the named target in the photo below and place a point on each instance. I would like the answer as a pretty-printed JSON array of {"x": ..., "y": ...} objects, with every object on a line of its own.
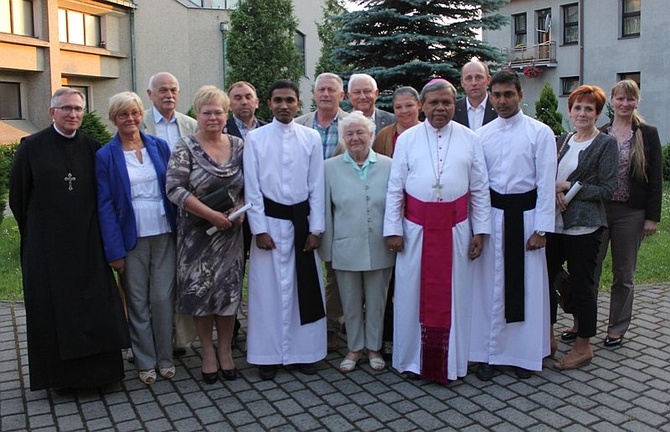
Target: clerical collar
[
  {"x": 289, "y": 126},
  {"x": 433, "y": 129},
  {"x": 516, "y": 118},
  {"x": 63, "y": 133}
]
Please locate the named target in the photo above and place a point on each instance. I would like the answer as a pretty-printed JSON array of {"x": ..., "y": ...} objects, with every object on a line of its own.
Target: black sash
[
  {"x": 310, "y": 300},
  {"x": 513, "y": 206}
]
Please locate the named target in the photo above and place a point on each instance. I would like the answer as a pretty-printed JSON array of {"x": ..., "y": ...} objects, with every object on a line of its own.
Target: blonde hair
[
  {"x": 638, "y": 160},
  {"x": 121, "y": 102},
  {"x": 210, "y": 94}
]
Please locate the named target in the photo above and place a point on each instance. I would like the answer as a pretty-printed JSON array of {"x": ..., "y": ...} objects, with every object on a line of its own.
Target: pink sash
[{"x": 437, "y": 220}]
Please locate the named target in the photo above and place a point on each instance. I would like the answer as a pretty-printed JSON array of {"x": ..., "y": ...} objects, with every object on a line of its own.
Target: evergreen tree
[
  {"x": 408, "y": 42},
  {"x": 93, "y": 126},
  {"x": 546, "y": 109},
  {"x": 261, "y": 46}
]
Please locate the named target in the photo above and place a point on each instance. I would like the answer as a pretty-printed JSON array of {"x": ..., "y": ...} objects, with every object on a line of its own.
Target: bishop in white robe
[{"x": 436, "y": 165}]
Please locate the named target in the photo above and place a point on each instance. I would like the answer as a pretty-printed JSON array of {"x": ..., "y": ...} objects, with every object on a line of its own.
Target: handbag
[{"x": 564, "y": 290}]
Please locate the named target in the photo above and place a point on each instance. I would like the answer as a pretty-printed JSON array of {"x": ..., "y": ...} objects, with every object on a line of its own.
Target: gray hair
[
  {"x": 150, "y": 86},
  {"x": 326, "y": 75},
  {"x": 65, "y": 91},
  {"x": 122, "y": 101},
  {"x": 361, "y": 77},
  {"x": 436, "y": 85},
  {"x": 406, "y": 91},
  {"x": 353, "y": 118}
]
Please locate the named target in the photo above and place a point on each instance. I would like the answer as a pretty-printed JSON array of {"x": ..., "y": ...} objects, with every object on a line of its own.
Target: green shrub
[
  {"x": 7, "y": 152},
  {"x": 546, "y": 109},
  {"x": 93, "y": 126},
  {"x": 666, "y": 161}
]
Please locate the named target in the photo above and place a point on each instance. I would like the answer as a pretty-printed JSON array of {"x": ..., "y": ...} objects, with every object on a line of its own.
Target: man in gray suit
[
  {"x": 363, "y": 93},
  {"x": 162, "y": 120},
  {"x": 475, "y": 109},
  {"x": 328, "y": 93}
]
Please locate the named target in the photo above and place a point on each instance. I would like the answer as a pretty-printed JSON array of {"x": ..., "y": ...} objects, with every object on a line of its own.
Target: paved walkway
[{"x": 627, "y": 388}]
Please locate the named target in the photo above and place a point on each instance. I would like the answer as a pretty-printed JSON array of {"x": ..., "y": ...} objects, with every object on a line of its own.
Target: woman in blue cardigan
[{"x": 137, "y": 223}]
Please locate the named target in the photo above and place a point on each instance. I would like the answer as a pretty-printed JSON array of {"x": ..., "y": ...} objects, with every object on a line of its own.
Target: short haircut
[
  {"x": 345, "y": 122},
  {"x": 327, "y": 75},
  {"x": 123, "y": 101},
  {"x": 435, "y": 85},
  {"x": 479, "y": 62},
  {"x": 240, "y": 84},
  {"x": 406, "y": 91},
  {"x": 361, "y": 77},
  {"x": 506, "y": 77},
  {"x": 210, "y": 94},
  {"x": 64, "y": 91},
  {"x": 283, "y": 84},
  {"x": 150, "y": 85},
  {"x": 588, "y": 94}
]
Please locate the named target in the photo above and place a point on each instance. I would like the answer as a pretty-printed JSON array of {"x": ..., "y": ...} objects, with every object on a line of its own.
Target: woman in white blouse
[{"x": 137, "y": 223}]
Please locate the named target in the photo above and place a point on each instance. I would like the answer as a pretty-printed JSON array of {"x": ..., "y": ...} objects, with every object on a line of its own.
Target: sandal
[
  {"x": 168, "y": 372},
  {"x": 377, "y": 363},
  {"x": 573, "y": 361},
  {"x": 349, "y": 364},
  {"x": 148, "y": 377}
]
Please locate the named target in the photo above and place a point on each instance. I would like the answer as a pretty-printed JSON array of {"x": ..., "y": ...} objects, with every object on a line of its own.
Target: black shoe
[
  {"x": 229, "y": 374},
  {"x": 267, "y": 372},
  {"x": 613, "y": 342},
  {"x": 387, "y": 351},
  {"x": 411, "y": 375},
  {"x": 211, "y": 377},
  {"x": 523, "y": 373},
  {"x": 484, "y": 372},
  {"x": 178, "y": 351},
  {"x": 307, "y": 368},
  {"x": 568, "y": 336}
]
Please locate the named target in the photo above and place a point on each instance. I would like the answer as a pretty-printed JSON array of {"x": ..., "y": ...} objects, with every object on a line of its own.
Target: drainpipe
[
  {"x": 224, "y": 27},
  {"x": 581, "y": 42},
  {"x": 133, "y": 54}
]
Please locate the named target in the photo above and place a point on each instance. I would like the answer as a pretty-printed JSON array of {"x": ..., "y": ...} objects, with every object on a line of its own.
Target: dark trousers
[{"x": 581, "y": 254}]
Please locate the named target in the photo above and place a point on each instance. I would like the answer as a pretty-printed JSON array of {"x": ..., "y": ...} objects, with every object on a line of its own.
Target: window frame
[
  {"x": 18, "y": 107},
  {"x": 568, "y": 84},
  {"x": 633, "y": 75},
  {"x": 300, "y": 43},
  {"x": 568, "y": 26},
  {"x": 542, "y": 34},
  {"x": 66, "y": 28},
  {"x": 520, "y": 33},
  {"x": 631, "y": 16},
  {"x": 27, "y": 11}
]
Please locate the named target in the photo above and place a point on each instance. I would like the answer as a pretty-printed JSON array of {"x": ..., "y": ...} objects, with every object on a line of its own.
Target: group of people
[{"x": 440, "y": 239}]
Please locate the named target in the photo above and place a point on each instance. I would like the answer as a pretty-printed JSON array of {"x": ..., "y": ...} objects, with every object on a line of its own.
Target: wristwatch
[{"x": 540, "y": 233}]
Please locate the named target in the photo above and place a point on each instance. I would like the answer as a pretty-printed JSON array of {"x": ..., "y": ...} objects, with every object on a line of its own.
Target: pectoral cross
[
  {"x": 438, "y": 188},
  {"x": 69, "y": 179}
]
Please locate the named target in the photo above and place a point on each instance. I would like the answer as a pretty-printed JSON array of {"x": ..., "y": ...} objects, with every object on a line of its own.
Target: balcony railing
[{"x": 543, "y": 54}]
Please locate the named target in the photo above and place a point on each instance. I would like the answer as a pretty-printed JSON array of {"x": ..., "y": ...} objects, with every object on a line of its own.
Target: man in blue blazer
[
  {"x": 363, "y": 93},
  {"x": 475, "y": 109}
]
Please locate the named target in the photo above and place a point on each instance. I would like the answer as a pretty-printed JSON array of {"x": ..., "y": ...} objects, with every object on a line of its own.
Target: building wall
[{"x": 606, "y": 54}]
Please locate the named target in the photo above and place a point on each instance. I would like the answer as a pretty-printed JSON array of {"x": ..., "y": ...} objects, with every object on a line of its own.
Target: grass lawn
[{"x": 653, "y": 262}]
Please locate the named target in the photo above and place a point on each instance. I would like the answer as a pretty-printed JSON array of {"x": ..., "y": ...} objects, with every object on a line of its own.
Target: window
[
  {"x": 10, "y": 101},
  {"x": 635, "y": 76},
  {"x": 543, "y": 19},
  {"x": 16, "y": 16},
  {"x": 84, "y": 91},
  {"x": 568, "y": 84},
  {"x": 300, "y": 47},
  {"x": 78, "y": 28},
  {"x": 570, "y": 24},
  {"x": 519, "y": 29},
  {"x": 630, "y": 18}
]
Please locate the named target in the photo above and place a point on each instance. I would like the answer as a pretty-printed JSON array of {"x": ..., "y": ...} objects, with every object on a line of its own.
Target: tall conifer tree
[{"x": 408, "y": 42}]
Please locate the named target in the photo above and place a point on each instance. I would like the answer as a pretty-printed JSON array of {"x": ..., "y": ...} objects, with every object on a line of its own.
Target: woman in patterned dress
[{"x": 209, "y": 268}]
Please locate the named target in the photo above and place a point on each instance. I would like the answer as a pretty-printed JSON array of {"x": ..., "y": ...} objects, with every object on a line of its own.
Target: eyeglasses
[
  {"x": 125, "y": 115},
  {"x": 68, "y": 109}
]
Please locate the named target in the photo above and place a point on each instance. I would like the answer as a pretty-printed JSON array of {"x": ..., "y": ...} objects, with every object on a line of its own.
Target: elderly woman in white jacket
[{"x": 356, "y": 184}]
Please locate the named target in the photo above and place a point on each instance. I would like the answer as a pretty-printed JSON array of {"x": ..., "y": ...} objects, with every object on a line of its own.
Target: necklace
[{"x": 438, "y": 165}]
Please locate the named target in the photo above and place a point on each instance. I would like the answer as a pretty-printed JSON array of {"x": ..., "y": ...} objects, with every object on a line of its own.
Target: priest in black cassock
[{"x": 74, "y": 316}]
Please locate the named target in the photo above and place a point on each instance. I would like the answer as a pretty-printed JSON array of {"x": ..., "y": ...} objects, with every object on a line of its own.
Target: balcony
[{"x": 539, "y": 55}]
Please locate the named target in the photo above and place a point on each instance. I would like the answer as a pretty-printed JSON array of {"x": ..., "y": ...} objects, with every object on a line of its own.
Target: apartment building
[
  {"x": 103, "y": 47},
  {"x": 569, "y": 43}
]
